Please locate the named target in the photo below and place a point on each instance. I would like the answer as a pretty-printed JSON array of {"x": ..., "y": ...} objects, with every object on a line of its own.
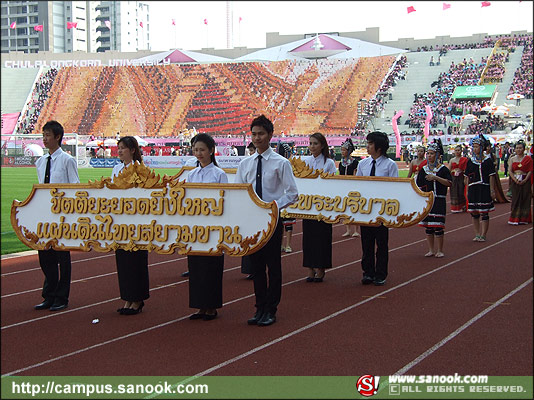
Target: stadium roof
[
  {"x": 183, "y": 56},
  {"x": 321, "y": 46}
]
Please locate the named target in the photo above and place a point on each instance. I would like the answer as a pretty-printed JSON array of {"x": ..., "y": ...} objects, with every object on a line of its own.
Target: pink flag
[
  {"x": 485, "y": 4},
  {"x": 108, "y": 24},
  {"x": 410, "y": 9},
  {"x": 205, "y": 21},
  {"x": 426, "y": 130},
  {"x": 13, "y": 25},
  {"x": 240, "y": 19},
  {"x": 445, "y": 6},
  {"x": 173, "y": 21},
  {"x": 71, "y": 25},
  {"x": 397, "y": 133},
  {"x": 141, "y": 24},
  {"x": 38, "y": 28}
]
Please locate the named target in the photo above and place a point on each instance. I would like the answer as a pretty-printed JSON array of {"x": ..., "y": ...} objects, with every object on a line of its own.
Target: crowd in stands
[
  {"x": 378, "y": 102},
  {"x": 507, "y": 41},
  {"x": 486, "y": 126},
  {"x": 37, "y": 101},
  {"x": 522, "y": 82},
  {"x": 495, "y": 67},
  {"x": 465, "y": 73}
]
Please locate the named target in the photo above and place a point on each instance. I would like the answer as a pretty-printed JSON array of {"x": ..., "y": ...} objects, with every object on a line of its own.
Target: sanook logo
[
  {"x": 475, "y": 89},
  {"x": 367, "y": 385}
]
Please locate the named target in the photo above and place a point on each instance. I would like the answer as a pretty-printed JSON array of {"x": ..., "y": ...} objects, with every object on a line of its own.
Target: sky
[{"x": 463, "y": 18}]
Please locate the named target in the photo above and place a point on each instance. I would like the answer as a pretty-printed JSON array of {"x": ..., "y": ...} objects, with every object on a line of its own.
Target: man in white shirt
[
  {"x": 55, "y": 167},
  {"x": 271, "y": 176},
  {"x": 378, "y": 164}
]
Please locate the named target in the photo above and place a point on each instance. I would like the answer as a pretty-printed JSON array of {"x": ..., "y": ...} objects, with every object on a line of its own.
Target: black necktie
[
  {"x": 373, "y": 168},
  {"x": 259, "y": 191},
  {"x": 47, "y": 171}
]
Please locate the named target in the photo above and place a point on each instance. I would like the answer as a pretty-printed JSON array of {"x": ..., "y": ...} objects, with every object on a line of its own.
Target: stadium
[{"x": 469, "y": 313}]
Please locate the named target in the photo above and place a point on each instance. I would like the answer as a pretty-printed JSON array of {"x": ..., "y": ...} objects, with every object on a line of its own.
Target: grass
[{"x": 16, "y": 184}]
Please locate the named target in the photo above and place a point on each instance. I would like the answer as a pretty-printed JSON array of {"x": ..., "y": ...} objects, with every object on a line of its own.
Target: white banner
[
  {"x": 180, "y": 161},
  {"x": 141, "y": 211}
]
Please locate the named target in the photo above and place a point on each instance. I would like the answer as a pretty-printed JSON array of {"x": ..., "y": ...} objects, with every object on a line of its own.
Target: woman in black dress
[
  {"x": 480, "y": 192},
  {"x": 435, "y": 177},
  {"x": 132, "y": 266},
  {"x": 205, "y": 272},
  {"x": 317, "y": 235}
]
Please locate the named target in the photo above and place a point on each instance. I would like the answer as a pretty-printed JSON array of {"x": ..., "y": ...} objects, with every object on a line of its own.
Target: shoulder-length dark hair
[
  {"x": 325, "y": 151},
  {"x": 210, "y": 144},
  {"x": 131, "y": 143}
]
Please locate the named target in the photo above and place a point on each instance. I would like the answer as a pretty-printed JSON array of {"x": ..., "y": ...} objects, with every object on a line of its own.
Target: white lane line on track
[
  {"x": 275, "y": 341},
  {"x": 349, "y": 308},
  {"x": 442, "y": 342},
  {"x": 184, "y": 281}
]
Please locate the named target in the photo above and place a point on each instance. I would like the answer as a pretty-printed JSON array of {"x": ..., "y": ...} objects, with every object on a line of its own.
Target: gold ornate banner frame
[
  {"x": 141, "y": 211},
  {"x": 394, "y": 202}
]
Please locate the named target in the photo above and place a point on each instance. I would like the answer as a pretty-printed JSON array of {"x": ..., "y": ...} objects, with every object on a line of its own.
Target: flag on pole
[
  {"x": 485, "y": 4},
  {"x": 446, "y": 6},
  {"x": 173, "y": 21},
  {"x": 141, "y": 24},
  {"x": 205, "y": 21},
  {"x": 38, "y": 28},
  {"x": 108, "y": 24},
  {"x": 410, "y": 9},
  {"x": 71, "y": 25},
  {"x": 240, "y": 19},
  {"x": 13, "y": 25}
]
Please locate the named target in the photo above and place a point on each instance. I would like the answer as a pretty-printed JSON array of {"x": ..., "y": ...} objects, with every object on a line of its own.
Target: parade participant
[
  {"x": 378, "y": 164},
  {"x": 56, "y": 167},
  {"x": 457, "y": 166},
  {"x": 499, "y": 196},
  {"x": 205, "y": 272},
  {"x": 285, "y": 151},
  {"x": 348, "y": 166},
  {"x": 418, "y": 162},
  {"x": 271, "y": 176},
  {"x": 317, "y": 235},
  {"x": 480, "y": 192},
  {"x": 520, "y": 174},
  {"x": 132, "y": 266},
  {"x": 435, "y": 177}
]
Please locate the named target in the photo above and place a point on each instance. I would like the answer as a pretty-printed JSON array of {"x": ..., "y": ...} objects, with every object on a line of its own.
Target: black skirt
[
  {"x": 132, "y": 271},
  {"x": 316, "y": 244},
  {"x": 205, "y": 281}
]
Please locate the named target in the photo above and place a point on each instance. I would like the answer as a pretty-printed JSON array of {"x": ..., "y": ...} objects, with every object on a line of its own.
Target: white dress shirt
[
  {"x": 63, "y": 168},
  {"x": 278, "y": 181},
  {"x": 384, "y": 167},
  {"x": 192, "y": 162},
  {"x": 319, "y": 162},
  {"x": 208, "y": 174}
]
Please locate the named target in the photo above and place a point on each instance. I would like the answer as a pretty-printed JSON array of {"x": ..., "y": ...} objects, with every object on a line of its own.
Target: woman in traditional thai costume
[
  {"x": 417, "y": 163},
  {"x": 480, "y": 192},
  {"x": 520, "y": 174},
  {"x": 457, "y": 166},
  {"x": 348, "y": 166},
  {"x": 435, "y": 177}
]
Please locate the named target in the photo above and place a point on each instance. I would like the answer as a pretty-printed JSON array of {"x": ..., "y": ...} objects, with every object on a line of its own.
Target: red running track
[{"x": 468, "y": 313}]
